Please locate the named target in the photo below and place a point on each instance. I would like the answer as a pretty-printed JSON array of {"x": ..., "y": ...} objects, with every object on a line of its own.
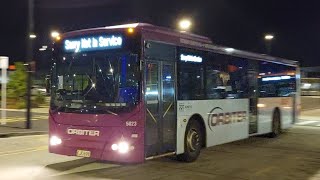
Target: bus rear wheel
[
  {"x": 192, "y": 142},
  {"x": 276, "y": 124}
]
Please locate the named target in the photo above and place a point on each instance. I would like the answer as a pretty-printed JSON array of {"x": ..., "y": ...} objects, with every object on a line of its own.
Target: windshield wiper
[{"x": 110, "y": 112}]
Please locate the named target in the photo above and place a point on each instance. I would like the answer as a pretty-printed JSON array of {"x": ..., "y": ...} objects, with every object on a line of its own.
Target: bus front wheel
[{"x": 192, "y": 142}]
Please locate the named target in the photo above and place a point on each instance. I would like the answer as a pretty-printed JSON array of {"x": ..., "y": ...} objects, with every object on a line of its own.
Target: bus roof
[{"x": 187, "y": 39}]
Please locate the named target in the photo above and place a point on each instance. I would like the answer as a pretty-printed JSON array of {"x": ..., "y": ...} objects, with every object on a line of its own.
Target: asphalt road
[
  {"x": 294, "y": 155},
  {"x": 16, "y": 122},
  {"x": 310, "y": 102}
]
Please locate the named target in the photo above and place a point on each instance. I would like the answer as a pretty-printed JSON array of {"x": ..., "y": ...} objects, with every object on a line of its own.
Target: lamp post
[
  {"x": 268, "y": 41},
  {"x": 29, "y": 60}
]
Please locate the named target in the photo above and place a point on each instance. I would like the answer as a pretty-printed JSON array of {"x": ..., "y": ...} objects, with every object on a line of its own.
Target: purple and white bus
[{"x": 134, "y": 92}]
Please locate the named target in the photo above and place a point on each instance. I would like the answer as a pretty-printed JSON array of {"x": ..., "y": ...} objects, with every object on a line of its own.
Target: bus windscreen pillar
[{"x": 4, "y": 63}]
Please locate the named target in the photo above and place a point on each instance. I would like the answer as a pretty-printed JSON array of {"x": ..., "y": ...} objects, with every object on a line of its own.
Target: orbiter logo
[
  {"x": 82, "y": 132},
  {"x": 217, "y": 117}
]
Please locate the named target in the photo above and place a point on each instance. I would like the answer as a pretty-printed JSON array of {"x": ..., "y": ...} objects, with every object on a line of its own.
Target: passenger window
[
  {"x": 191, "y": 75},
  {"x": 276, "y": 80},
  {"x": 217, "y": 79}
]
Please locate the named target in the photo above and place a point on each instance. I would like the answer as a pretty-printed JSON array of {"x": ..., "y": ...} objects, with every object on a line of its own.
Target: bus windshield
[{"x": 95, "y": 82}]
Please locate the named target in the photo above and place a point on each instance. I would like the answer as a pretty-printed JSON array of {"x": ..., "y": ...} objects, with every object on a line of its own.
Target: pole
[
  {"x": 4, "y": 97},
  {"x": 4, "y": 65},
  {"x": 268, "y": 44},
  {"x": 29, "y": 60}
]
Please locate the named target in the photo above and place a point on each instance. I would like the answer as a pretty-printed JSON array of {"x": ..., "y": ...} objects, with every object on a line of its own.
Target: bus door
[
  {"x": 253, "y": 97},
  {"x": 160, "y": 132}
]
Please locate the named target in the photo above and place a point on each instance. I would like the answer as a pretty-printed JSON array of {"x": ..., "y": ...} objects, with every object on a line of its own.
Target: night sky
[{"x": 239, "y": 24}]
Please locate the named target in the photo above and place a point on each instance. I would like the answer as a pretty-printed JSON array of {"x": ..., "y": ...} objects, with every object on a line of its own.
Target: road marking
[
  {"x": 306, "y": 122},
  {"x": 87, "y": 167},
  {"x": 27, "y": 136},
  {"x": 18, "y": 119},
  {"x": 22, "y": 120},
  {"x": 15, "y": 152}
]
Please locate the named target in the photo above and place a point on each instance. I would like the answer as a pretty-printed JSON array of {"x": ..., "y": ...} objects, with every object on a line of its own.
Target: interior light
[{"x": 229, "y": 50}]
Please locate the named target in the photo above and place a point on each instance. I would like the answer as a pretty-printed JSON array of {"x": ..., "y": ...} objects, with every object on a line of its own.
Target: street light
[
  {"x": 32, "y": 36},
  {"x": 268, "y": 37},
  {"x": 55, "y": 34},
  {"x": 185, "y": 25}
]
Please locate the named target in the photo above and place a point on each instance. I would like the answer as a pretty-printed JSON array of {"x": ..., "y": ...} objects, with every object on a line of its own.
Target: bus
[{"x": 135, "y": 92}]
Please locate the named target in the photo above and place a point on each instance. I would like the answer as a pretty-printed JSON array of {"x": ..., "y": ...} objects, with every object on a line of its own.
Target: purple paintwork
[{"x": 112, "y": 129}]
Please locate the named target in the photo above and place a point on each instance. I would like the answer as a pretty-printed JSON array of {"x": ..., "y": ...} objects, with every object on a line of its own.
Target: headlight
[
  {"x": 54, "y": 140},
  {"x": 114, "y": 147},
  {"x": 122, "y": 147}
]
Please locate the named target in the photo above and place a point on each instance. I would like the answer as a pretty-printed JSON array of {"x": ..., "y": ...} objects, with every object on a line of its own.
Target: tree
[{"x": 17, "y": 85}]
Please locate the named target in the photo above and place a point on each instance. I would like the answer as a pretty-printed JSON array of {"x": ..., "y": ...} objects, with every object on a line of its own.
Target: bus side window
[
  {"x": 191, "y": 85},
  {"x": 238, "y": 71},
  {"x": 276, "y": 80},
  {"x": 191, "y": 82},
  {"x": 216, "y": 77}
]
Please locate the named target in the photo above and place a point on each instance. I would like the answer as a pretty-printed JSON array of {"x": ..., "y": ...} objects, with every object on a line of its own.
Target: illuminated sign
[
  {"x": 92, "y": 43},
  {"x": 190, "y": 58},
  {"x": 276, "y": 78}
]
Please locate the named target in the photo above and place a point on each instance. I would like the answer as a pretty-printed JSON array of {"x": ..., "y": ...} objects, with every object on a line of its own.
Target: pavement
[{"x": 310, "y": 102}]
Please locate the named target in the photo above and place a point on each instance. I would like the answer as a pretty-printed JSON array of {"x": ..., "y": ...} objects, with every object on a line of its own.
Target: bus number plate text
[
  {"x": 131, "y": 123},
  {"x": 83, "y": 153}
]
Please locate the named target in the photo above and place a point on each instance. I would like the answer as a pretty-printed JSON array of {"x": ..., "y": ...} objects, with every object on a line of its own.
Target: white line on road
[
  {"x": 306, "y": 122},
  {"x": 20, "y": 119},
  {"x": 86, "y": 167},
  {"x": 22, "y": 151},
  {"x": 22, "y": 137}
]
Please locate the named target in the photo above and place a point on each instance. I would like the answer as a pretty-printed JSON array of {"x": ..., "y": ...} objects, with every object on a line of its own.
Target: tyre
[
  {"x": 276, "y": 124},
  {"x": 192, "y": 142}
]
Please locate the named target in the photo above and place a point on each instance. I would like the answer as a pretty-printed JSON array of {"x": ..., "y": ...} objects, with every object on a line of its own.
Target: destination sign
[
  {"x": 94, "y": 43},
  {"x": 190, "y": 58}
]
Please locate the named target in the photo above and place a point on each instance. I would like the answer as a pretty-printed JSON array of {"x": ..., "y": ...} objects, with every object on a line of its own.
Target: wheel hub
[{"x": 192, "y": 140}]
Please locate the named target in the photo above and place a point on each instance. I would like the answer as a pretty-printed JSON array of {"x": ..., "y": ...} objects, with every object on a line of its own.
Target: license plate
[{"x": 83, "y": 153}]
